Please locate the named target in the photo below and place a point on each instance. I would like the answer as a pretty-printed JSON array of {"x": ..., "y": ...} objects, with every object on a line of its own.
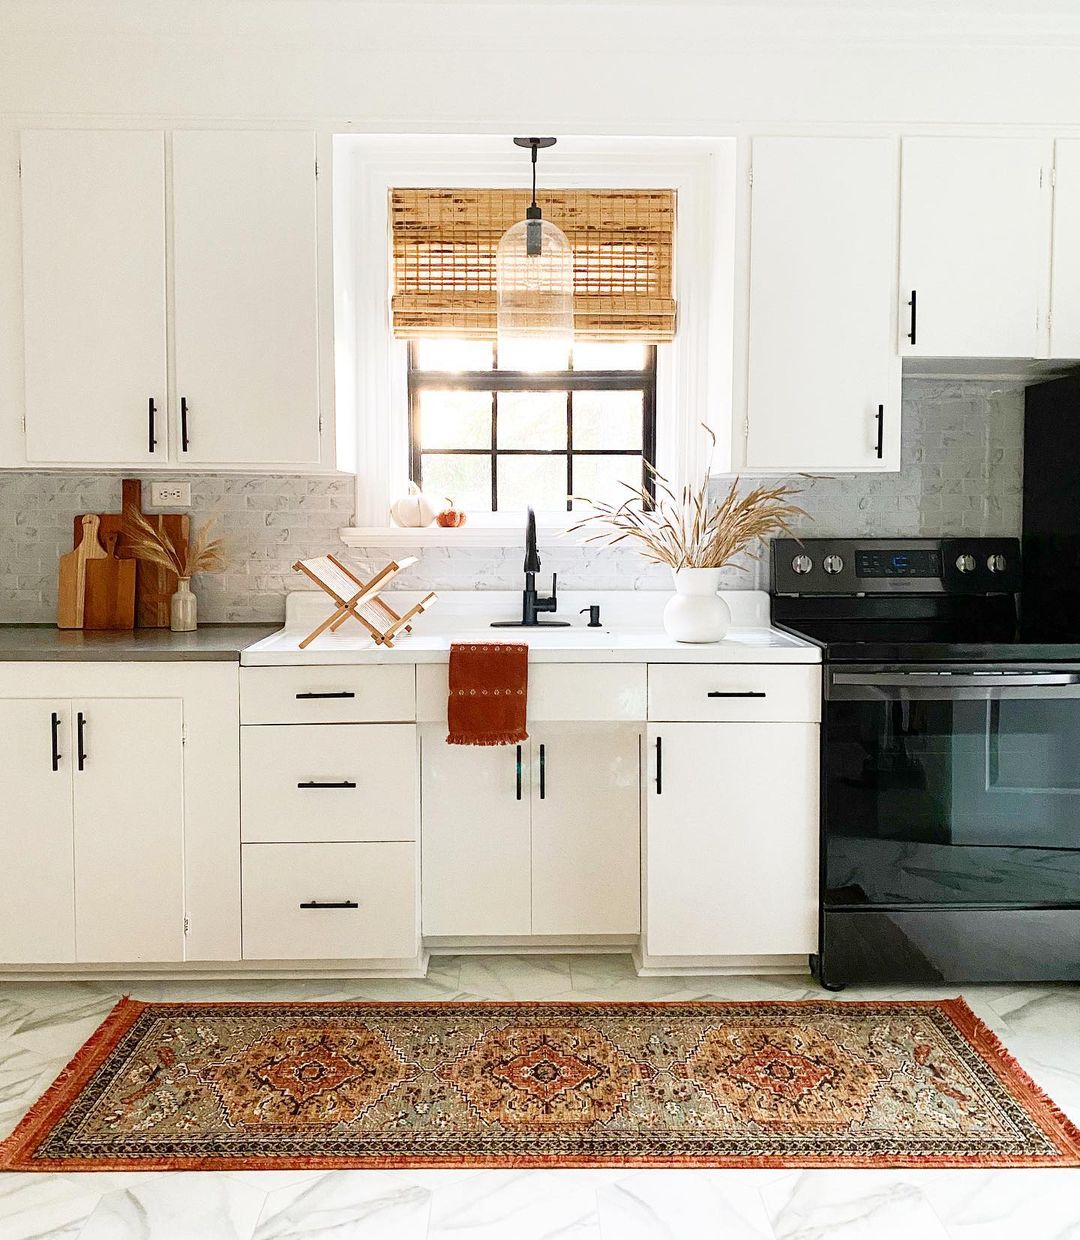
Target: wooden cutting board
[
  {"x": 71, "y": 593},
  {"x": 154, "y": 586},
  {"x": 110, "y": 590}
]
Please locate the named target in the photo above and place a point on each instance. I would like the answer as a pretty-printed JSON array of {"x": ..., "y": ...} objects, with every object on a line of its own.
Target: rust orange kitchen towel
[{"x": 489, "y": 683}]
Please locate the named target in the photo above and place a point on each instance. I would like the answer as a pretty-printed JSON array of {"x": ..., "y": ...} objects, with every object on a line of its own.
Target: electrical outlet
[{"x": 170, "y": 494}]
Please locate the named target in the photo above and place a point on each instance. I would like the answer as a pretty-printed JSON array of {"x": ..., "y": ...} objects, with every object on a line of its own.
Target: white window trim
[{"x": 694, "y": 372}]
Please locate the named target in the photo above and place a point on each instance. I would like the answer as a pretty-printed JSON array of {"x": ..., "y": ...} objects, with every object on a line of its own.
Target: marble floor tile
[
  {"x": 1019, "y": 1204},
  {"x": 371, "y": 1205},
  {"x": 33, "y": 1206},
  {"x": 176, "y": 1206},
  {"x": 850, "y": 1205},
  {"x": 671, "y": 1205},
  {"x": 518, "y": 1205},
  {"x": 515, "y": 977}
]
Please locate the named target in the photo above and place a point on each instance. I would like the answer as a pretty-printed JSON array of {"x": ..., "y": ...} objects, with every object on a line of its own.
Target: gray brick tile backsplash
[{"x": 960, "y": 473}]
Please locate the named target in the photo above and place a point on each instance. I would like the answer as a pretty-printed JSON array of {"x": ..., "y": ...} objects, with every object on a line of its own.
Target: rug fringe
[{"x": 86, "y": 1060}]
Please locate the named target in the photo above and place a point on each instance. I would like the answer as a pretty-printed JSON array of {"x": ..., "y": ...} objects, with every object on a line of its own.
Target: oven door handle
[{"x": 954, "y": 680}]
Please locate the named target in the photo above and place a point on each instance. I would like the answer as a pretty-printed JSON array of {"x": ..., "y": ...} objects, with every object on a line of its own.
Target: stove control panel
[{"x": 855, "y": 566}]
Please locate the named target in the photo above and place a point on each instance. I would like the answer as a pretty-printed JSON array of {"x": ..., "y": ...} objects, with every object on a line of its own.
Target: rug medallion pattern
[{"x": 448, "y": 1084}]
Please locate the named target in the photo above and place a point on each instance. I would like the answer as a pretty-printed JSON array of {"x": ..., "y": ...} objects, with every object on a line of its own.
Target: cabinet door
[
  {"x": 37, "y": 908},
  {"x": 823, "y": 388},
  {"x": 93, "y": 224},
  {"x": 586, "y": 845},
  {"x": 246, "y": 322},
  {"x": 474, "y": 827},
  {"x": 974, "y": 241},
  {"x": 732, "y": 839},
  {"x": 1065, "y": 295},
  {"x": 129, "y": 829}
]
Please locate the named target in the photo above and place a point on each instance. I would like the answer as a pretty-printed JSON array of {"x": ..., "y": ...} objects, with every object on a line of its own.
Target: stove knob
[
  {"x": 996, "y": 563},
  {"x": 965, "y": 563},
  {"x": 832, "y": 563},
  {"x": 802, "y": 564}
]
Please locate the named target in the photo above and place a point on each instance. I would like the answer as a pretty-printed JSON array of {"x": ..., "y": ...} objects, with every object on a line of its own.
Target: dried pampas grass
[
  {"x": 687, "y": 530},
  {"x": 203, "y": 554}
]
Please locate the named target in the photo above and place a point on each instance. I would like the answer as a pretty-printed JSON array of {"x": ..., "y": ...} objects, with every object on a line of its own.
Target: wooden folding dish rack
[{"x": 360, "y": 599}]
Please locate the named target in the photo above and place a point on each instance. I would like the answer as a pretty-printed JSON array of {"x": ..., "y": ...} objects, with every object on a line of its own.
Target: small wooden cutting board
[
  {"x": 71, "y": 593},
  {"x": 110, "y": 590}
]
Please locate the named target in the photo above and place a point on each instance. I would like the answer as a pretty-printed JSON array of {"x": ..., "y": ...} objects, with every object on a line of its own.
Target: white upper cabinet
[
  {"x": 1065, "y": 290},
  {"x": 246, "y": 298},
  {"x": 823, "y": 387},
  {"x": 974, "y": 247},
  {"x": 93, "y": 245}
]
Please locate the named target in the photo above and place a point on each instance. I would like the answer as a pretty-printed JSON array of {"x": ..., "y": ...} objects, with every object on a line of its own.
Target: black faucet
[{"x": 531, "y": 603}]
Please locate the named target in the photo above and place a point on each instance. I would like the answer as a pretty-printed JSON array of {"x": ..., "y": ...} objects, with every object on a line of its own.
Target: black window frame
[{"x": 568, "y": 380}]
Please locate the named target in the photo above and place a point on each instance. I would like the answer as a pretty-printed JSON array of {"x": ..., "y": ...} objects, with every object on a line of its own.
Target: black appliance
[{"x": 950, "y": 793}]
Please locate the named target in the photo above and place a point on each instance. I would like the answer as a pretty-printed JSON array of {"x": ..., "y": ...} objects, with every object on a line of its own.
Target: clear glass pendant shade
[{"x": 534, "y": 282}]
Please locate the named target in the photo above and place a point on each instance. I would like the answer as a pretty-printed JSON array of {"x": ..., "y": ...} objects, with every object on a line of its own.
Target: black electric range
[{"x": 950, "y": 782}]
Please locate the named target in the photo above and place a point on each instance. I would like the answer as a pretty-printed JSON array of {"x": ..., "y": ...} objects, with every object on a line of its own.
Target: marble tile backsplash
[{"x": 960, "y": 473}]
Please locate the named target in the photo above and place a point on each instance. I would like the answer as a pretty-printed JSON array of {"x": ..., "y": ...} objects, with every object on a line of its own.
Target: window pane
[
  {"x": 539, "y": 481},
  {"x": 464, "y": 479},
  {"x": 520, "y": 353},
  {"x": 453, "y": 354},
  {"x": 532, "y": 420},
  {"x": 609, "y": 356},
  {"x": 455, "y": 419},
  {"x": 598, "y": 478},
  {"x": 608, "y": 420}
]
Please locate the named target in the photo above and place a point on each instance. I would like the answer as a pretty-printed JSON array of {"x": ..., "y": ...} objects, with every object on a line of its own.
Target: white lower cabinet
[
  {"x": 93, "y": 856},
  {"x": 329, "y": 901},
  {"x": 732, "y": 839},
  {"x": 541, "y": 838}
]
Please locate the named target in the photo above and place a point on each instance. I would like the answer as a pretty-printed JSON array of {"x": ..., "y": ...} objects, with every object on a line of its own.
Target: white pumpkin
[{"x": 415, "y": 509}]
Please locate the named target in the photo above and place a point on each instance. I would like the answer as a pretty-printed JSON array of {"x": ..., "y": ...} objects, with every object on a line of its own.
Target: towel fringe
[{"x": 501, "y": 738}]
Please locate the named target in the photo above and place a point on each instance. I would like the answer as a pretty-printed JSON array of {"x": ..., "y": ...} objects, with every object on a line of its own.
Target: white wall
[{"x": 651, "y": 67}]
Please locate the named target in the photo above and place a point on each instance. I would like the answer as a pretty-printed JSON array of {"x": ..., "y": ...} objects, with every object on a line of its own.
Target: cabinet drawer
[
  {"x": 279, "y": 880},
  {"x": 326, "y": 781},
  {"x": 375, "y": 693},
  {"x": 734, "y": 693},
  {"x": 558, "y": 692}
]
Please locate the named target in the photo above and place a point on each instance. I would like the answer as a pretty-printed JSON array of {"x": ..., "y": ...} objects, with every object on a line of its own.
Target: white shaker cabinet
[
  {"x": 823, "y": 384},
  {"x": 732, "y": 840},
  {"x": 476, "y": 816},
  {"x": 246, "y": 298},
  {"x": 1065, "y": 286},
  {"x": 92, "y": 858},
  {"x": 974, "y": 247},
  {"x": 37, "y": 878},
  {"x": 93, "y": 252}
]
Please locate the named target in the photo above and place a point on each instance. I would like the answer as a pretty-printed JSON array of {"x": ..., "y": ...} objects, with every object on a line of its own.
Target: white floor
[{"x": 42, "y": 1025}]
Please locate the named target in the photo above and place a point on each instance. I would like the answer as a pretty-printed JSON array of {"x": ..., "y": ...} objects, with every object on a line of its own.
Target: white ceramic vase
[
  {"x": 183, "y": 608},
  {"x": 695, "y": 612}
]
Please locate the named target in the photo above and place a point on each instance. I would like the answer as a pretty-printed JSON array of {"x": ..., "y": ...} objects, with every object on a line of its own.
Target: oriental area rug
[{"x": 227, "y": 1086}]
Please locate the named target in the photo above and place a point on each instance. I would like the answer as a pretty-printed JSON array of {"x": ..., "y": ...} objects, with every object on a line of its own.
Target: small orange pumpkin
[{"x": 450, "y": 517}]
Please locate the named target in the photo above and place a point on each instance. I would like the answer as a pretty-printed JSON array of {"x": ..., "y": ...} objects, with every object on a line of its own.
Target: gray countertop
[{"x": 45, "y": 642}]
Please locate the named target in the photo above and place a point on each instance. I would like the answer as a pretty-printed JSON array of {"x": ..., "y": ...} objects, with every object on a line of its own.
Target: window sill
[{"x": 467, "y": 535}]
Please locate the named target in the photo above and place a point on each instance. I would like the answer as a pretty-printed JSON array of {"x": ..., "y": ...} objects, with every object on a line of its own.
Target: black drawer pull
[
  {"x": 82, "y": 755},
  {"x": 151, "y": 424},
  {"x": 912, "y": 304},
  {"x": 659, "y": 766},
  {"x": 341, "y": 693},
  {"x": 318, "y": 783},
  {"x": 329, "y": 904},
  {"x": 543, "y": 772},
  {"x": 185, "y": 439},
  {"x": 742, "y": 693},
  {"x": 879, "y": 448},
  {"x": 518, "y": 769},
  {"x": 56, "y": 755}
]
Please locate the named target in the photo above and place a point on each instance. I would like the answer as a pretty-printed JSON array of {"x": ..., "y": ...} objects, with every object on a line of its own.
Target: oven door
[{"x": 956, "y": 788}]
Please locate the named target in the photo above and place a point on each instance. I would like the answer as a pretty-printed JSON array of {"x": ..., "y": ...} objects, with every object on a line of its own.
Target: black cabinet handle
[
  {"x": 543, "y": 772},
  {"x": 340, "y": 693},
  {"x": 316, "y": 783},
  {"x": 81, "y": 728},
  {"x": 184, "y": 440},
  {"x": 151, "y": 417},
  {"x": 329, "y": 904},
  {"x": 880, "y": 415},
  {"x": 742, "y": 693},
  {"x": 56, "y": 755},
  {"x": 912, "y": 304},
  {"x": 519, "y": 772},
  {"x": 659, "y": 766}
]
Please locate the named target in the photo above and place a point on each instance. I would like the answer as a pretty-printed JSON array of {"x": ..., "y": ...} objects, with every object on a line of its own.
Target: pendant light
[{"x": 534, "y": 284}]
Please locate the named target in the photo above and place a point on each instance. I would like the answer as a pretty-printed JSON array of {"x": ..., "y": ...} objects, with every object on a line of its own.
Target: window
[{"x": 500, "y": 440}]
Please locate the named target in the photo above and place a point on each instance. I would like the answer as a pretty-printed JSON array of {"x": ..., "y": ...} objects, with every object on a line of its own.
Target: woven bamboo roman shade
[{"x": 444, "y": 243}]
